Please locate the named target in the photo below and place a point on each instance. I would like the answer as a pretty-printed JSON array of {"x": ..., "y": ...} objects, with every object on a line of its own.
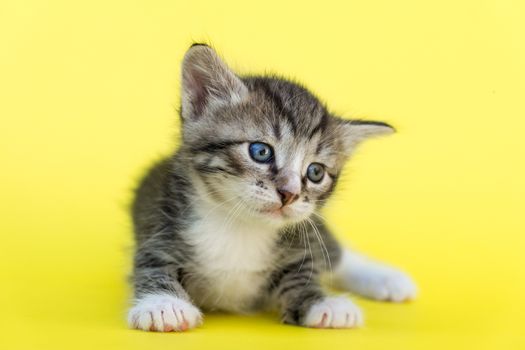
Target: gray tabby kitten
[{"x": 229, "y": 222}]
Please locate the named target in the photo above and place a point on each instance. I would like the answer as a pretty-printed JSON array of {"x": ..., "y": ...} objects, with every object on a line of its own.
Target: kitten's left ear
[
  {"x": 207, "y": 82},
  {"x": 356, "y": 131}
]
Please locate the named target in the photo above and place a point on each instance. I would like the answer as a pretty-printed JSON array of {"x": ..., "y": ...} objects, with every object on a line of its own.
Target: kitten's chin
[{"x": 280, "y": 216}]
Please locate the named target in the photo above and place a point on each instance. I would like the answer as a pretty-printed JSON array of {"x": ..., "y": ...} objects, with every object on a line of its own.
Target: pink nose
[{"x": 287, "y": 197}]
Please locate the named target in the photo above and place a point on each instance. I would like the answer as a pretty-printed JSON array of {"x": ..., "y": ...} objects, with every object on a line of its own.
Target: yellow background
[{"x": 88, "y": 92}]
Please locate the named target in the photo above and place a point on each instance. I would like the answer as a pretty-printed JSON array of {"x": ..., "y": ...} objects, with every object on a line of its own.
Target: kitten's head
[{"x": 261, "y": 145}]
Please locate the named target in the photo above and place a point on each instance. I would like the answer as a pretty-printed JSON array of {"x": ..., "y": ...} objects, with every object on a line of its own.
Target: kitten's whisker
[
  {"x": 303, "y": 225},
  {"x": 231, "y": 219},
  {"x": 303, "y": 235},
  {"x": 217, "y": 207},
  {"x": 292, "y": 240},
  {"x": 324, "y": 219},
  {"x": 225, "y": 224},
  {"x": 323, "y": 247}
]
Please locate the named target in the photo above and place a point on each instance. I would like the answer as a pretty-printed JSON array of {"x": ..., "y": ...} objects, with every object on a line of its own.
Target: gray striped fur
[{"x": 222, "y": 113}]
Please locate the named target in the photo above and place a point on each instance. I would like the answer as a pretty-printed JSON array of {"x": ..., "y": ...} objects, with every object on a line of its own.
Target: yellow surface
[{"x": 87, "y": 98}]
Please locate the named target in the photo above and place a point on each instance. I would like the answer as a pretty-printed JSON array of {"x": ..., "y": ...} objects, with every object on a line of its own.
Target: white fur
[
  {"x": 373, "y": 280},
  {"x": 163, "y": 313},
  {"x": 234, "y": 256},
  {"x": 334, "y": 312}
]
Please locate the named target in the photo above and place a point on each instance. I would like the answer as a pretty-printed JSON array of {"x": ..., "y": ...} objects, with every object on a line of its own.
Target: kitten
[{"x": 229, "y": 222}]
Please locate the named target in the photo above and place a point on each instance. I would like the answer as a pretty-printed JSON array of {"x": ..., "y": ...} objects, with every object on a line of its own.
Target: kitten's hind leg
[{"x": 373, "y": 280}]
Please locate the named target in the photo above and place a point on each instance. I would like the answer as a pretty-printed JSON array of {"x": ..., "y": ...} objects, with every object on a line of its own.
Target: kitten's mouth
[{"x": 277, "y": 212}]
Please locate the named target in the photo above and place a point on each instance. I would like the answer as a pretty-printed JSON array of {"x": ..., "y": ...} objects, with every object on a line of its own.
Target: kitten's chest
[{"x": 232, "y": 262}]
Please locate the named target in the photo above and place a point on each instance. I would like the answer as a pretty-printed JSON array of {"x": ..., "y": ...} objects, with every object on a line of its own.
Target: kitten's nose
[{"x": 287, "y": 197}]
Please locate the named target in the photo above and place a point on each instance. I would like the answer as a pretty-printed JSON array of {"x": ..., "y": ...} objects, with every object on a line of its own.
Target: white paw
[
  {"x": 163, "y": 313},
  {"x": 382, "y": 283},
  {"x": 334, "y": 312}
]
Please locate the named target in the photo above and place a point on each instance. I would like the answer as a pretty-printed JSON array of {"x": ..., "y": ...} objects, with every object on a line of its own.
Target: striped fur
[{"x": 209, "y": 225}]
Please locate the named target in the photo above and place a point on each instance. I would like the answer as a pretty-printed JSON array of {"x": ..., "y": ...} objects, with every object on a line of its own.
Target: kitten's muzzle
[
  {"x": 288, "y": 187},
  {"x": 287, "y": 197}
]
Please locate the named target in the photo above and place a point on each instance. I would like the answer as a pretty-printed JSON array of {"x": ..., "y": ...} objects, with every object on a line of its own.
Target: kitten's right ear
[{"x": 207, "y": 82}]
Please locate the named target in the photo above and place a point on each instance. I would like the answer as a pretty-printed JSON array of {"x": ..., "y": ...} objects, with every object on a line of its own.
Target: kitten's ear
[
  {"x": 207, "y": 82},
  {"x": 356, "y": 131}
]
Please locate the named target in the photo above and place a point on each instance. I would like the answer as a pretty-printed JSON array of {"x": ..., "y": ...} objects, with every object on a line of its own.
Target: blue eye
[
  {"x": 315, "y": 172},
  {"x": 261, "y": 152}
]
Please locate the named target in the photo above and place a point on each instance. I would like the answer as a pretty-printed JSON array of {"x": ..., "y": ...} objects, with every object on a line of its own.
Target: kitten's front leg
[
  {"x": 161, "y": 303},
  {"x": 303, "y": 302}
]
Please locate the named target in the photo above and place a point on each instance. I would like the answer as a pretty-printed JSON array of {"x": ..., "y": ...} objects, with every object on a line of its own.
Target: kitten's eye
[
  {"x": 261, "y": 152},
  {"x": 315, "y": 172}
]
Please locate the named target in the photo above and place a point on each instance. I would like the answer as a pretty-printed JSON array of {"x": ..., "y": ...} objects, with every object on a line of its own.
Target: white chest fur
[{"x": 232, "y": 262}]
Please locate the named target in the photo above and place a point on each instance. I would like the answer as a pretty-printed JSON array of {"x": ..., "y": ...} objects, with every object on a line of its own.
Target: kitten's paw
[
  {"x": 382, "y": 283},
  {"x": 334, "y": 312},
  {"x": 164, "y": 313}
]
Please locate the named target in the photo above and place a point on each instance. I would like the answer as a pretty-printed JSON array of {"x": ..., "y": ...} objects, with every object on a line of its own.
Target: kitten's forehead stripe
[
  {"x": 321, "y": 126},
  {"x": 275, "y": 97},
  {"x": 319, "y": 148},
  {"x": 292, "y": 107},
  {"x": 276, "y": 129}
]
